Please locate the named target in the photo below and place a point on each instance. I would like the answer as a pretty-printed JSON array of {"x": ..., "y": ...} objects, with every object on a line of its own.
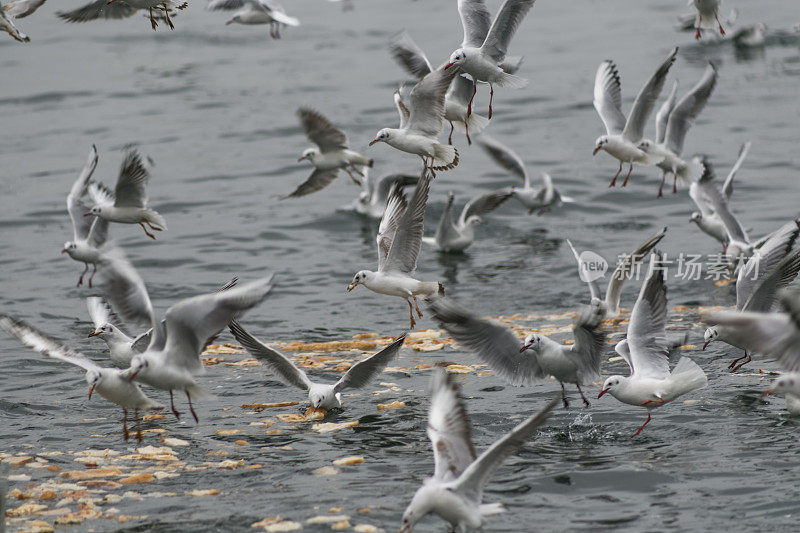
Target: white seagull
[
  {"x": 771, "y": 268},
  {"x": 110, "y": 383},
  {"x": 322, "y": 396},
  {"x": 119, "y": 9},
  {"x": 22, "y": 8},
  {"x": 706, "y": 218},
  {"x": 411, "y": 57},
  {"x": 421, "y": 122},
  {"x": 707, "y": 17},
  {"x": 333, "y": 154},
  {"x": 7, "y": 26},
  {"x": 127, "y": 204},
  {"x": 650, "y": 383},
  {"x": 536, "y": 200},
  {"x": 537, "y": 357},
  {"x": 121, "y": 347},
  {"x": 455, "y": 491},
  {"x": 375, "y": 193},
  {"x": 399, "y": 240},
  {"x": 89, "y": 236},
  {"x": 172, "y": 359},
  {"x": 256, "y": 12},
  {"x": 457, "y": 236},
  {"x": 623, "y": 136},
  {"x": 625, "y": 269},
  {"x": 672, "y": 124},
  {"x": 484, "y": 47}
]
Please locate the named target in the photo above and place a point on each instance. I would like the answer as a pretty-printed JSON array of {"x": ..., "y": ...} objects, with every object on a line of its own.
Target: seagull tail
[
  {"x": 445, "y": 156},
  {"x": 693, "y": 171},
  {"x": 155, "y": 217},
  {"x": 512, "y": 81},
  {"x": 488, "y": 509},
  {"x": 686, "y": 377},
  {"x": 198, "y": 393},
  {"x": 476, "y": 123}
]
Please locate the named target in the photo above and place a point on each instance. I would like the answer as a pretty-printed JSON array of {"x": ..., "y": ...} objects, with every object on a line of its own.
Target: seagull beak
[
  {"x": 133, "y": 376},
  {"x": 91, "y": 390},
  {"x": 63, "y": 250},
  {"x": 766, "y": 393},
  {"x": 352, "y": 286},
  {"x": 705, "y": 344},
  {"x": 373, "y": 141},
  {"x": 301, "y": 158},
  {"x": 87, "y": 214},
  {"x": 596, "y": 149},
  {"x": 448, "y": 65},
  {"x": 524, "y": 347},
  {"x": 228, "y": 24},
  {"x": 602, "y": 392},
  {"x": 94, "y": 333}
]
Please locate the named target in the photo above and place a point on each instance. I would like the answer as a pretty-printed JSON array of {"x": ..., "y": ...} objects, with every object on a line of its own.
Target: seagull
[
  {"x": 750, "y": 36},
  {"x": 399, "y": 240},
  {"x": 421, "y": 122},
  {"x": 535, "y": 200},
  {"x": 375, "y": 193},
  {"x": 333, "y": 154},
  {"x": 110, "y": 383},
  {"x": 458, "y": 236},
  {"x": 706, "y": 218},
  {"x": 411, "y": 57},
  {"x": 623, "y": 272},
  {"x": 256, "y": 12},
  {"x": 622, "y": 136},
  {"x": 127, "y": 204},
  {"x": 484, "y": 47},
  {"x": 7, "y": 26},
  {"x": 455, "y": 491},
  {"x": 537, "y": 357},
  {"x": 672, "y": 124},
  {"x": 650, "y": 383},
  {"x": 707, "y": 15},
  {"x": 172, "y": 359},
  {"x": 22, "y": 8},
  {"x": 89, "y": 236},
  {"x": 687, "y": 22},
  {"x": 322, "y": 396},
  {"x": 772, "y": 267},
  {"x": 119, "y": 9}
]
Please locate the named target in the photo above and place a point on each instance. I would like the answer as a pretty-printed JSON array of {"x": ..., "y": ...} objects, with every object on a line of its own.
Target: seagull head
[
  {"x": 309, "y": 154},
  {"x": 68, "y": 247},
  {"x": 420, "y": 506},
  {"x": 609, "y": 384},
  {"x": 600, "y": 143},
  {"x": 236, "y": 18},
  {"x": 96, "y": 211},
  {"x": 382, "y": 136},
  {"x": 93, "y": 378},
  {"x": 101, "y": 331},
  {"x": 710, "y": 335},
  {"x": 456, "y": 58},
  {"x": 139, "y": 364},
  {"x": 785, "y": 383},
  {"x": 359, "y": 278},
  {"x": 532, "y": 342},
  {"x": 696, "y": 217},
  {"x": 645, "y": 146}
]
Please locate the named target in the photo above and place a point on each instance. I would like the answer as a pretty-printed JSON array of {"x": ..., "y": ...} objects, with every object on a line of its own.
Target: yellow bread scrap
[
  {"x": 202, "y": 493},
  {"x": 316, "y": 413},
  {"x": 333, "y": 346},
  {"x": 211, "y": 361},
  {"x": 274, "y": 431},
  {"x": 282, "y": 527},
  {"x": 366, "y": 528},
  {"x": 18, "y": 460},
  {"x": 344, "y": 525},
  {"x": 327, "y": 519},
  {"x": 335, "y": 510},
  {"x": 144, "y": 477},
  {"x": 423, "y": 334},
  {"x": 19, "y": 495},
  {"x": 220, "y": 349},
  {"x": 723, "y": 282},
  {"x": 38, "y": 526},
  {"x": 428, "y": 346},
  {"x": 245, "y": 362},
  {"x": 266, "y": 522},
  {"x": 172, "y": 441},
  {"x": 92, "y": 473},
  {"x": 230, "y": 464},
  {"x": 26, "y": 509},
  {"x": 291, "y": 417},
  {"x": 364, "y": 510},
  {"x": 229, "y": 431},
  {"x": 155, "y": 450},
  {"x": 258, "y": 407},
  {"x": 253, "y": 467},
  {"x": 423, "y": 366},
  {"x": 459, "y": 369},
  {"x": 348, "y": 461},
  {"x": 47, "y": 496},
  {"x": 360, "y": 336},
  {"x": 325, "y": 471},
  {"x": 327, "y": 427},
  {"x": 394, "y": 405},
  {"x": 241, "y": 442},
  {"x": 148, "y": 418},
  {"x": 687, "y": 347},
  {"x": 484, "y": 373},
  {"x": 69, "y": 519}
]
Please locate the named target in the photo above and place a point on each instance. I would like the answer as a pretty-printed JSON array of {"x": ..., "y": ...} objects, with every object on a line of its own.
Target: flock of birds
[{"x": 166, "y": 355}]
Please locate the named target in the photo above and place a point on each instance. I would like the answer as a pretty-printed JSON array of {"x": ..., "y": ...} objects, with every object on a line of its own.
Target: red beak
[
  {"x": 596, "y": 149},
  {"x": 94, "y": 334},
  {"x": 91, "y": 390},
  {"x": 448, "y": 65},
  {"x": 602, "y": 392},
  {"x": 766, "y": 393},
  {"x": 705, "y": 344},
  {"x": 524, "y": 347},
  {"x": 63, "y": 250},
  {"x": 131, "y": 378},
  {"x": 373, "y": 141},
  {"x": 87, "y": 214}
]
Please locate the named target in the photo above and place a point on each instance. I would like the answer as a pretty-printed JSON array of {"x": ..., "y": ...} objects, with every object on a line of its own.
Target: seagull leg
[
  {"x": 614, "y": 179},
  {"x": 564, "y": 396},
  {"x": 450, "y": 137},
  {"x": 585, "y": 401},
  {"x": 138, "y": 427},
  {"x": 152, "y": 227},
  {"x": 642, "y": 426},
  {"x": 94, "y": 271},
  {"x": 699, "y": 23},
  {"x": 466, "y": 129},
  {"x": 172, "y": 406},
  {"x": 491, "y": 95},
  {"x": 628, "y": 175},
  {"x": 721, "y": 29},
  {"x": 85, "y": 270},
  {"x": 125, "y": 433},
  {"x": 433, "y": 172},
  {"x": 416, "y": 304},
  {"x": 474, "y": 90},
  {"x": 147, "y": 232},
  {"x": 411, "y": 314},
  {"x": 153, "y": 22},
  {"x": 661, "y": 187},
  {"x": 191, "y": 408},
  {"x": 740, "y": 365},
  {"x": 169, "y": 20},
  {"x": 674, "y": 183}
]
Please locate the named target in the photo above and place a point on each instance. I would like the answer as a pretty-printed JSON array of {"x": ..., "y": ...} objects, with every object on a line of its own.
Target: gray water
[{"x": 214, "y": 107}]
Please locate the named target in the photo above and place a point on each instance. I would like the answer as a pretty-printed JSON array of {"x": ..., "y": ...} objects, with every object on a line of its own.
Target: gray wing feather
[
  {"x": 504, "y": 156},
  {"x": 396, "y": 207},
  {"x": 44, "y": 344},
  {"x": 647, "y": 327},
  {"x": 272, "y": 359},
  {"x": 685, "y": 113},
  {"x": 131, "y": 189},
  {"x": 360, "y": 374},
  {"x": 321, "y": 132},
  {"x": 483, "y": 204},
  {"x": 125, "y": 289},
  {"x": 402, "y": 110},
  {"x": 590, "y": 342},
  {"x": 503, "y": 28},
  {"x": 318, "y": 180},
  {"x": 727, "y": 187},
  {"x": 97, "y": 10},
  {"x": 662, "y": 116},
  {"x": 476, "y": 22},
  {"x": 493, "y": 344},
  {"x": 426, "y": 101},
  {"x": 771, "y": 334},
  {"x": 765, "y": 293},
  {"x": 409, "y": 56},
  {"x": 407, "y": 239},
  {"x": 448, "y": 428},
  {"x": 709, "y": 188},
  {"x": 625, "y": 269},
  {"x": 399, "y": 180},
  {"x": 80, "y": 224},
  {"x": 646, "y": 100},
  {"x": 608, "y": 97}
]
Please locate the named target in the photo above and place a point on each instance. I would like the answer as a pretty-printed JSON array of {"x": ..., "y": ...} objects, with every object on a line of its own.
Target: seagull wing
[
  {"x": 504, "y": 156},
  {"x": 647, "y": 340},
  {"x": 396, "y": 207},
  {"x": 590, "y": 341},
  {"x": 448, "y": 428},
  {"x": 492, "y": 343},
  {"x": 272, "y": 359},
  {"x": 685, "y": 113},
  {"x": 227, "y": 5},
  {"x": 321, "y": 132},
  {"x": 400, "y": 180},
  {"x": 402, "y": 110},
  {"x": 646, "y": 100},
  {"x": 360, "y": 374},
  {"x": 662, "y": 116},
  {"x": 594, "y": 288},
  {"x": 503, "y": 27},
  {"x": 131, "y": 189},
  {"x": 99, "y": 311},
  {"x": 75, "y": 206},
  {"x": 727, "y": 187},
  {"x": 100, "y": 194},
  {"x": 476, "y": 21},
  {"x": 318, "y": 180},
  {"x": 483, "y": 204},
  {"x": 772, "y": 334},
  {"x": 608, "y": 97},
  {"x": 125, "y": 289},
  {"x": 625, "y": 269},
  {"x": 426, "y": 102},
  {"x": 407, "y": 239},
  {"x": 709, "y": 188},
  {"x": 771, "y": 268},
  {"x": 409, "y": 56},
  {"x": 97, "y": 10}
]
